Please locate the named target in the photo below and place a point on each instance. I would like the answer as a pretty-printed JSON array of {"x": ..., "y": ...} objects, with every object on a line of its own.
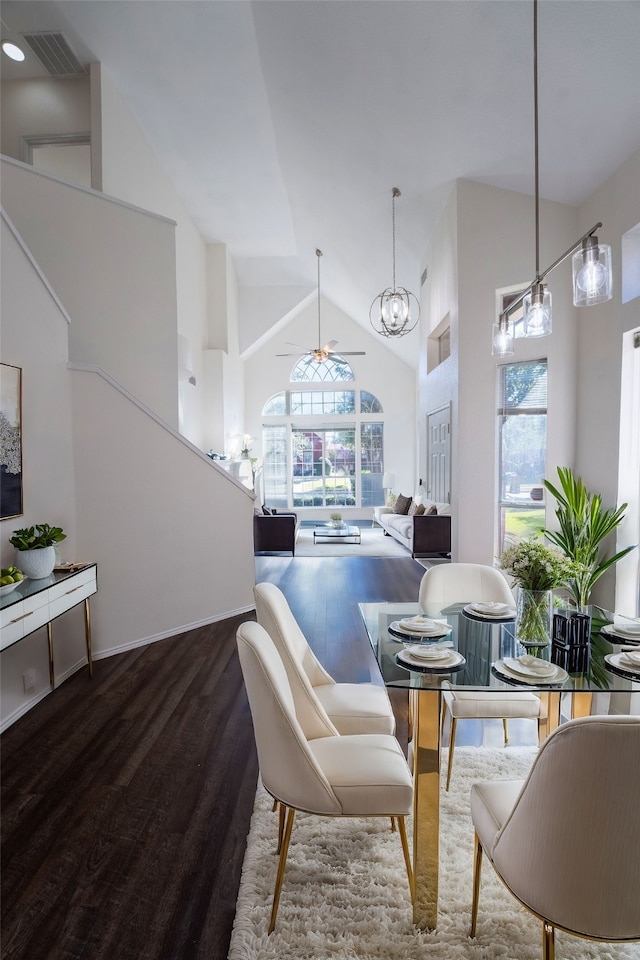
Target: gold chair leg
[
  {"x": 274, "y": 807},
  {"x": 477, "y": 867},
  {"x": 452, "y": 740},
  {"x": 281, "y": 865},
  {"x": 506, "y": 730},
  {"x": 548, "y": 941},
  {"x": 407, "y": 858},
  {"x": 393, "y": 825},
  {"x": 281, "y": 815}
]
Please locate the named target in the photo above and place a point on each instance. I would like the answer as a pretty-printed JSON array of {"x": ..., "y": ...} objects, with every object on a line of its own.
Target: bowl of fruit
[{"x": 10, "y": 578}]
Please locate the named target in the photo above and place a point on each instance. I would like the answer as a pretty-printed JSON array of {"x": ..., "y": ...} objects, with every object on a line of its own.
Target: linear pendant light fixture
[
  {"x": 395, "y": 311},
  {"x": 591, "y": 262}
]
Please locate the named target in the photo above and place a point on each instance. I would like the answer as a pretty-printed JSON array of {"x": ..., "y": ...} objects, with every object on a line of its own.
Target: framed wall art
[{"x": 10, "y": 441}]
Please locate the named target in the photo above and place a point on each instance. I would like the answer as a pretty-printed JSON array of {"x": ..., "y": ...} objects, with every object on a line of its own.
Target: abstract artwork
[{"x": 10, "y": 441}]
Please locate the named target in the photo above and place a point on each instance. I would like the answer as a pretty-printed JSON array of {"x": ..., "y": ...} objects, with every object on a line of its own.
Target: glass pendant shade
[
  {"x": 502, "y": 338},
  {"x": 592, "y": 273},
  {"x": 537, "y": 311}
]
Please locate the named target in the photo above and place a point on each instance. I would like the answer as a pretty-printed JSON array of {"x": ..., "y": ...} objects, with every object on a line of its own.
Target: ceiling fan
[{"x": 320, "y": 354}]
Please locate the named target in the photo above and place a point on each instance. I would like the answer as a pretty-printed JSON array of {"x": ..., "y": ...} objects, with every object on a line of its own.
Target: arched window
[
  {"x": 323, "y": 447},
  {"x": 308, "y": 369}
]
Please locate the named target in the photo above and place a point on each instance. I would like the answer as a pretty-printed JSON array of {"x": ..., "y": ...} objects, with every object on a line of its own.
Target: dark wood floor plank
[{"x": 126, "y": 799}]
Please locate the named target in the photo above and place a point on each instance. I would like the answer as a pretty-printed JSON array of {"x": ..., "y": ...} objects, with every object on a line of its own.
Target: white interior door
[{"x": 439, "y": 454}]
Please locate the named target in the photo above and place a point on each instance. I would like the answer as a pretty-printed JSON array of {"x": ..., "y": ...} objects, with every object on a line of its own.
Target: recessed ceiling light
[{"x": 12, "y": 50}]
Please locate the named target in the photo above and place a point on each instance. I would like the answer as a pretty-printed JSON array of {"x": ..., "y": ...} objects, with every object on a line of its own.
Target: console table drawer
[
  {"x": 22, "y": 618},
  {"x": 71, "y": 597},
  {"x": 72, "y": 584}
]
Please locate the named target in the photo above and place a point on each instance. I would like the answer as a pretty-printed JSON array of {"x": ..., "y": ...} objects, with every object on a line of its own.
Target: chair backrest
[
  {"x": 448, "y": 583},
  {"x": 288, "y": 768},
  {"x": 570, "y": 849},
  {"x": 275, "y": 615}
]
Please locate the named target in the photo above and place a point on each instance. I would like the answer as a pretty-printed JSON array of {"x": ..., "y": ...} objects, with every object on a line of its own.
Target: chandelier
[
  {"x": 395, "y": 311},
  {"x": 591, "y": 261}
]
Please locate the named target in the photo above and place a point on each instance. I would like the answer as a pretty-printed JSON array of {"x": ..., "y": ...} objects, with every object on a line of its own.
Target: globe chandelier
[
  {"x": 395, "y": 311},
  {"x": 591, "y": 261}
]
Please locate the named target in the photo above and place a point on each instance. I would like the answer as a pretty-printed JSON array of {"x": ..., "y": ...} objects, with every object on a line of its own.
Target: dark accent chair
[{"x": 275, "y": 533}]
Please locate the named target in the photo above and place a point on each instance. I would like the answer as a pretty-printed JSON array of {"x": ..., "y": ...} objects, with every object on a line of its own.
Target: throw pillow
[
  {"x": 402, "y": 504},
  {"x": 413, "y": 508},
  {"x": 432, "y": 511},
  {"x": 419, "y": 509},
  {"x": 266, "y": 511}
]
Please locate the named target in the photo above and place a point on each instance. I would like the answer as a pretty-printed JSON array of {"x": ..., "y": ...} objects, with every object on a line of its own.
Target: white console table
[{"x": 36, "y": 603}]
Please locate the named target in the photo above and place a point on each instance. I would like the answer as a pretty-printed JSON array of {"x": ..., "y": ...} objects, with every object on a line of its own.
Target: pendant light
[
  {"x": 395, "y": 311},
  {"x": 591, "y": 261}
]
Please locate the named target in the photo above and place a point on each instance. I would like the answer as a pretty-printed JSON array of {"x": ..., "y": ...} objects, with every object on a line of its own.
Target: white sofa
[{"x": 425, "y": 534}]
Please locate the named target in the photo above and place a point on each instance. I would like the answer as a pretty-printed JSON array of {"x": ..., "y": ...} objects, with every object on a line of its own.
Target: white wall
[
  {"x": 600, "y": 335},
  {"x": 34, "y": 337},
  {"x": 113, "y": 268},
  {"x": 381, "y": 372},
  {"x": 43, "y": 107},
  {"x": 484, "y": 241},
  {"x": 132, "y": 172}
]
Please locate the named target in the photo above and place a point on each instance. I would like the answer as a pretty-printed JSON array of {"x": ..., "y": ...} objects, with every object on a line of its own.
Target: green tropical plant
[
  {"x": 584, "y": 523},
  {"x": 33, "y": 538}
]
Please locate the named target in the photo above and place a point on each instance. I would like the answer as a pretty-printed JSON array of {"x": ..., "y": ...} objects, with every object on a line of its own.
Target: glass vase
[{"x": 533, "y": 623}]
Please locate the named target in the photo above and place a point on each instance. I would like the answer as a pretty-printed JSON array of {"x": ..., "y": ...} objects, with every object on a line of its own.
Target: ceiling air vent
[{"x": 55, "y": 54}]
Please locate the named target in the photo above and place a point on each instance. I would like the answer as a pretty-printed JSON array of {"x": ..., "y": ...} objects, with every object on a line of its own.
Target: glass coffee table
[
  {"x": 342, "y": 532},
  {"x": 479, "y": 648}
]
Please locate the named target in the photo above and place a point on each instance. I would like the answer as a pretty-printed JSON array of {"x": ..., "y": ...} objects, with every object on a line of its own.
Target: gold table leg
[
  {"x": 581, "y": 704},
  {"x": 87, "y": 634},
  {"x": 426, "y": 808},
  {"x": 50, "y": 645}
]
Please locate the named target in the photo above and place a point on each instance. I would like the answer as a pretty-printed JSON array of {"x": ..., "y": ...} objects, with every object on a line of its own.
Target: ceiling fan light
[
  {"x": 592, "y": 281},
  {"x": 537, "y": 311}
]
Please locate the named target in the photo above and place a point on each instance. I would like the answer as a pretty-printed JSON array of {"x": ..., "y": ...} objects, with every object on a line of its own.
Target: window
[
  {"x": 335, "y": 368},
  {"x": 504, "y": 299},
  {"x": 522, "y": 434},
  {"x": 319, "y": 464}
]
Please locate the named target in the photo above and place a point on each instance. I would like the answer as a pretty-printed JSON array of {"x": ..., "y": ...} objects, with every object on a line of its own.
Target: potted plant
[
  {"x": 336, "y": 519},
  {"x": 35, "y": 546},
  {"x": 584, "y": 524},
  {"x": 537, "y": 570}
]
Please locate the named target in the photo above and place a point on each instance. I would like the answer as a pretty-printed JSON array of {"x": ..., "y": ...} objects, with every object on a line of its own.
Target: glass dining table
[{"x": 483, "y": 654}]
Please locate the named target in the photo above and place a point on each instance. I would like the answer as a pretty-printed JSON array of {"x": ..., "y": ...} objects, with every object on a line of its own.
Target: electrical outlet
[{"x": 29, "y": 680}]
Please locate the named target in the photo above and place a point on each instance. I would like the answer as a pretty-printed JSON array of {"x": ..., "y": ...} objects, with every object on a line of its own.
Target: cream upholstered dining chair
[
  {"x": 450, "y": 583},
  {"x": 305, "y": 764},
  {"x": 352, "y": 707},
  {"x": 566, "y": 841}
]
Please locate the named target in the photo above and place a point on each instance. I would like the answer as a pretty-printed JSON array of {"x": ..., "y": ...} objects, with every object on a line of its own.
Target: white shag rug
[{"x": 345, "y": 893}]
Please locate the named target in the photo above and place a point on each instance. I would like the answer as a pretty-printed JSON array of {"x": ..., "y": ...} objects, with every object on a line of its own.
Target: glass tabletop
[{"x": 484, "y": 653}]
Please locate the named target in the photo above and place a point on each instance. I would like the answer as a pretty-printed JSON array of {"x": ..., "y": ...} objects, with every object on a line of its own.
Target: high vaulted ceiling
[{"x": 285, "y": 125}]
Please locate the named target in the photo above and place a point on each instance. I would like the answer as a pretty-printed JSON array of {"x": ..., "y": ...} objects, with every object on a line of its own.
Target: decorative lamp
[
  {"x": 591, "y": 261},
  {"x": 592, "y": 273},
  {"x": 395, "y": 311}
]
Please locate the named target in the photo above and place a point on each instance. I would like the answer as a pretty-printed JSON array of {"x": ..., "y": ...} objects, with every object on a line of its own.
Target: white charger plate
[
  {"x": 610, "y": 630},
  {"x": 503, "y": 671},
  {"x": 546, "y": 669},
  {"x": 617, "y": 660},
  {"x": 441, "y": 630},
  {"x": 455, "y": 660},
  {"x": 507, "y": 615}
]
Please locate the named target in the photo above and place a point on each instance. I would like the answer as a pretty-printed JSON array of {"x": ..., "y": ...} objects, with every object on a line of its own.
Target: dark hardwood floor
[{"x": 126, "y": 799}]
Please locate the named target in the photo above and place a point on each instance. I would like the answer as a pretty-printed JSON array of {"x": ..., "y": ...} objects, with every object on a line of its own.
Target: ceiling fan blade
[
  {"x": 341, "y": 363},
  {"x": 290, "y": 344},
  {"x": 352, "y": 353},
  {"x": 287, "y": 354}
]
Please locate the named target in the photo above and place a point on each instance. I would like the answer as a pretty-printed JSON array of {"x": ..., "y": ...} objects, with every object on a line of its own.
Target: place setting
[
  {"x": 626, "y": 629},
  {"x": 490, "y": 610},
  {"x": 626, "y": 663},
  {"x": 419, "y": 628},
  {"x": 529, "y": 669},
  {"x": 434, "y": 658}
]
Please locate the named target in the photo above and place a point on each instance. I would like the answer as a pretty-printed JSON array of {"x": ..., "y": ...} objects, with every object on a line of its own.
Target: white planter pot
[{"x": 37, "y": 563}]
